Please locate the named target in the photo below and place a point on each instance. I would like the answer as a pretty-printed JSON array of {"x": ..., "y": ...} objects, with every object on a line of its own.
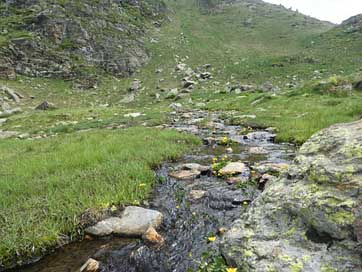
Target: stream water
[{"x": 188, "y": 222}]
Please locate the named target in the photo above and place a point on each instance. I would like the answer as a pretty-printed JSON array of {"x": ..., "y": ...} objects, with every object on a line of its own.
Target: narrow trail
[{"x": 194, "y": 209}]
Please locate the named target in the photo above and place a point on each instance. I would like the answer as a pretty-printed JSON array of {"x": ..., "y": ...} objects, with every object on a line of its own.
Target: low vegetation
[{"x": 46, "y": 185}]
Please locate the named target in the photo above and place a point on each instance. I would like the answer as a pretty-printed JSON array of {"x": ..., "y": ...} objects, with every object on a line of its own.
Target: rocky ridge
[{"x": 74, "y": 39}]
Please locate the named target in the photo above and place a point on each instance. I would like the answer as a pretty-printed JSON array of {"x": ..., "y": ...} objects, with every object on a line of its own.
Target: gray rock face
[
  {"x": 134, "y": 222},
  {"x": 97, "y": 32},
  {"x": 310, "y": 218}
]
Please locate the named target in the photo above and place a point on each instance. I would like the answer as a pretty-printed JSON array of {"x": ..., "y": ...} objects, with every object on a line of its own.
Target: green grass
[
  {"x": 46, "y": 185},
  {"x": 296, "y": 114}
]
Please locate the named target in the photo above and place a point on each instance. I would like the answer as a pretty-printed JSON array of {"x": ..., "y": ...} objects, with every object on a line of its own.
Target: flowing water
[{"x": 188, "y": 222}]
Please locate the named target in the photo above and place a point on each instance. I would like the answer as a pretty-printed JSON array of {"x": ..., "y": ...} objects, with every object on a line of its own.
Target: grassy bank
[
  {"x": 296, "y": 114},
  {"x": 46, "y": 185}
]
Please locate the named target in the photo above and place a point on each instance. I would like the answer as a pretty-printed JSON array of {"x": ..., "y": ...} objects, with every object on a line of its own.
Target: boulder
[
  {"x": 105, "y": 227},
  {"x": 187, "y": 83},
  {"x": 7, "y": 72},
  {"x": 134, "y": 222},
  {"x": 180, "y": 67},
  {"x": 309, "y": 219},
  {"x": 8, "y": 134},
  {"x": 45, "y": 106}
]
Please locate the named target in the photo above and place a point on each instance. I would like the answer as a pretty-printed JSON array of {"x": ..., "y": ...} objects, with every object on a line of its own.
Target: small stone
[
  {"x": 172, "y": 94},
  {"x": 153, "y": 237},
  {"x": 90, "y": 266},
  {"x": 195, "y": 166},
  {"x": 185, "y": 174},
  {"x": 3, "y": 121},
  {"x": 197, "y": 194},
  {"x": 229, "y": 150},
  {"x": 234, "y": 168},
  {"x": 45, "y": 106},
  {"x": 134, "y": 114}
]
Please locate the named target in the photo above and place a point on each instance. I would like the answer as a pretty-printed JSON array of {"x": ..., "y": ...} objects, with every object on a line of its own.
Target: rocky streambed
[{"x": 237, "y": 197}]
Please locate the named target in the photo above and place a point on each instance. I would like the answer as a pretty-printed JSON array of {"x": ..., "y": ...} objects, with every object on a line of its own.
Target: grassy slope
[
  {"x": 46, "y": 185},
  {"x": 271, "y": 50}
]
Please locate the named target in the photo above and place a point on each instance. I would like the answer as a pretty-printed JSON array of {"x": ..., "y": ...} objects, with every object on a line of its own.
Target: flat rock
[
  {"x": 134, "y": 114},
  {"x": 196, "y": 166},
  {"x": 197, "y": 194},
  {"x": 185, "y": 174},
  {"x": 234, "y": 168}
]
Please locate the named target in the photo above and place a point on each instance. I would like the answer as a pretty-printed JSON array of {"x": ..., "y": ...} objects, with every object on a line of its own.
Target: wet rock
[
  {"x": 90, "y": 266},
  {"x": 234, "y": 168},
  {"x": 306, "y": 219},
  {"x": 105, "y": 227},
  {"x": 195, "y": 166},
  {"x": 197, "y": 194},
  {"x": 134, "y": 222},
  {"x": 257, "y": 150},
  {"x": 229, "y": 150},
  {"x": 152, "y": 237},
  {"x": 260, "y": 135},
  {"x": 185, "y": 174},
  {"x": 269, "y": 167},
  {"x": 45, "y": 106}
]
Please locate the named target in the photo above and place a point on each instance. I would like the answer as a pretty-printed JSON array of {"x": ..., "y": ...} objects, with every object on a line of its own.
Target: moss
[
  {"x": 342, "y": 217},
  {"x": 248, "y": 253},
  {"x": 297, "y": 267},
  {"x": 327, "y": 268}
]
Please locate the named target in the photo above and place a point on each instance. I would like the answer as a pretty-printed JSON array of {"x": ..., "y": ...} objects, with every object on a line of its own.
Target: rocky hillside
[{"x": 75, "y": 38}]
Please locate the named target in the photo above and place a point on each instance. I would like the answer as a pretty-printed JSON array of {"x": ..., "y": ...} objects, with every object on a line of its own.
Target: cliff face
[{"x": 68, "y": 39}]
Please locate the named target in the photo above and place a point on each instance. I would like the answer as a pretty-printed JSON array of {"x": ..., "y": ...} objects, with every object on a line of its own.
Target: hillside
[
  {"x": 76, "y": 39},
  {"x": 89, "y": 90}
]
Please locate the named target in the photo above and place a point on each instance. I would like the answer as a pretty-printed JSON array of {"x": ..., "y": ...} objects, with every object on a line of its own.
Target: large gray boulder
[
  {"x": 135, "y": 221},
  {"x": 310, "y": 219}
]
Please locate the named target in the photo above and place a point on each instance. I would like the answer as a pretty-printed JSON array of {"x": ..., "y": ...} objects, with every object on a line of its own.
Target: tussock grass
[{"x": 46, "y": 185}]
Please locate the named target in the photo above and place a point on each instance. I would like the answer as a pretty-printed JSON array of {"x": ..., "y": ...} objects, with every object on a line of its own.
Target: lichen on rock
[{"x": 308, "y": 219}]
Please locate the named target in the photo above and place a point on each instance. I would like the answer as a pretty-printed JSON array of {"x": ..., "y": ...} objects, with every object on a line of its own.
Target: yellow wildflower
[
  {"x": 142, "y": 185},
  {"x": 231, "y": 269},
  {"x": 212, "y": 239}
]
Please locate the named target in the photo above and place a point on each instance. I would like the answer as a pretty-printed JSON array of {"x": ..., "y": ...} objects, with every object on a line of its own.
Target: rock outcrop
[
  {"x": 76, "y": 38},
  {"x": 309, "y": 219}
]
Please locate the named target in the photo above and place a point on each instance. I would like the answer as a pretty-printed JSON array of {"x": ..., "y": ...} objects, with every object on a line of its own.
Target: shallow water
[{"x": 187, "y": 223}]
